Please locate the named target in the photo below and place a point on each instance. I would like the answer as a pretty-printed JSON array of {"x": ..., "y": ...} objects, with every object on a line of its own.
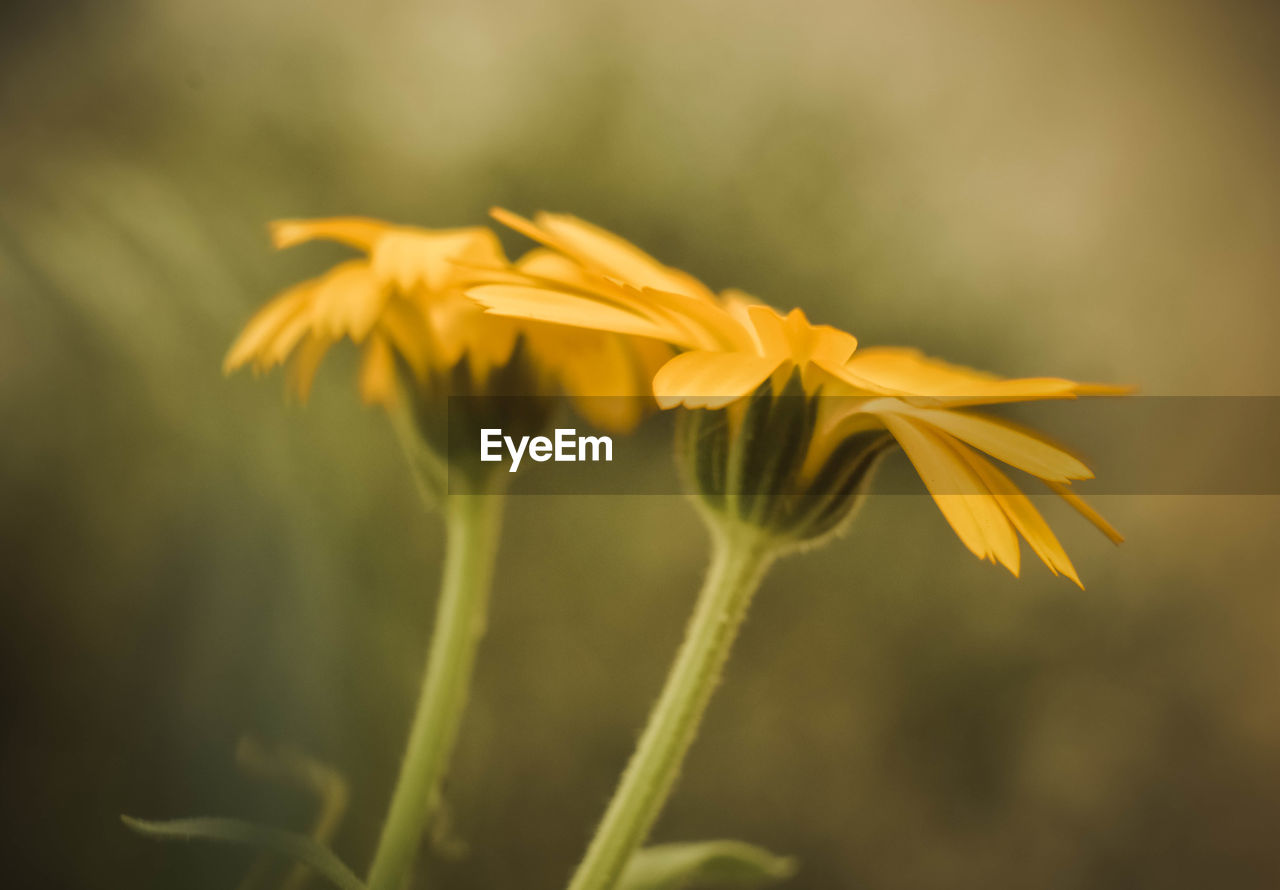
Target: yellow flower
[
  {"x": 731, "y": 346},
  {"x": 401, "y": 297},
  {"x": 404, "y": 298}
]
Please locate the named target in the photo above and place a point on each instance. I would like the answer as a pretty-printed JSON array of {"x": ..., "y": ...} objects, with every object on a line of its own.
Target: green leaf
[
  {"x": 298, "y": 847},
  {"x": 705, "y": 863}
]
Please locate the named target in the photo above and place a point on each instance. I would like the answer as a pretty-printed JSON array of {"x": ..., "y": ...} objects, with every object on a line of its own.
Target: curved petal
[
  {"x": 599, "y": 372},
  {"x": 542, "y": 262},
  {"x": 793, "y": 336},
  {"x": 284, "y": 340},
  {"x": 602, "y": 251},
  {"x": 1001, "y": 439},
  {"x": 378, "y": 372},
  {"x": 1080, "y": 506},
  {"x": 356, "y": 231},
  {"x": 1023, "y": 514},
  {"x": 302, "y": 372},
  {"x": 769, "y": 330},
  {"x": 405, "y": 328},
  {"x": 435, "y": 258},
  {"x": 710, "y": 379},
  {"x": 708, "y": 325},
  {"x": 911, "y": 372},
  {"x": 541, "y": 304},
  {"x": 959, "y": 493},
  {"x": 348, "y": 300},
  {"x": 265, "y": 324}
]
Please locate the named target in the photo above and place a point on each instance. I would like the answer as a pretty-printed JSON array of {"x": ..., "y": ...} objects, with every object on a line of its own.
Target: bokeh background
[{"x": 1079, "y": 188}]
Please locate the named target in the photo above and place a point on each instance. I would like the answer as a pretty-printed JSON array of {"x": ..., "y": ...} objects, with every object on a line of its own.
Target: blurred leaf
[
  {"x": 704, "y": 863},
  {"x": 293, "y": 846},
  {"x": 442, "y": 833}
]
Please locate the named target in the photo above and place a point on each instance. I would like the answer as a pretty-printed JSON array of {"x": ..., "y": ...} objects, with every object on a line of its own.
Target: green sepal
[
  {"x": 703, "y": 449},
  {"x": 720, "y": 863},
  {"x": 288, "y": 844},
  {"x": 836, "y": 490},
  {"x": 430, "y": 472},
  {"x": 752, "y": 435},
  {"x": 775, "y": 451}
]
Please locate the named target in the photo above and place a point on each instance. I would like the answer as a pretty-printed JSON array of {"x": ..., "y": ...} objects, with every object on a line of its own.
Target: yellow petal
[
  {"x": 602, "y": 251},
  {"x": 809, "y": 341},
  {"x": 1023, "y": 514},
  {"x": 959, "y": 493},
  {"x": 302, "y": 372},
  {"x": 357, "y": 231},
  {"x": 377, "y": 373},
  {"x": 1003, "y": 440},
  {"x": 832, "y": 345},
  {"x": 770, "y": 332},
  {"x": 543, "y": 263},
  {"x": 434, "y": 259},
  {"x": 489, "y": 341},
  {"x": 348, "y": 300},
  {"x": 708, "y": 325},
  {"x": 904, "y": 368},
  {"x": 1078, "y": 503},
  {"x": 541, "y": 304},
  {"x": 710, "y": 379},
  {"x": 586, "y": 278},
  {"x": 458, "y": 326},
  {"x": 405, "y": 328},
  {"x": 277, "y": 349},
  {"x": 599, "y": 372},
  {"x": 265, "y": 325},
  {"x": 910, "y": 372}
]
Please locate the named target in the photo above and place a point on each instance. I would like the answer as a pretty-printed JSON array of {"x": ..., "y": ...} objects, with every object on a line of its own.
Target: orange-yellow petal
[
  {"x": 265, "y": 324},
  {"x": 377, "y": 372},
  {"x": 276, "y": 350},
  {"x": 959, "y": 493},
  {"x": 434, "y": 259},
  {"x": 348, "y": 300},
  {"x": 356, "y": 231},
  {"x": 1078, "y": 503},
  {"x": 908, "y": 372},
  {"x": 710, "y": 379},
  {"x": 599, "y": 372},
  {"x": 794, "y": 337},
  {"x": 405, "y": 328},
  {"x": 302, "y": 371},
  {"x": 707, "y": 324},
  {"x": 602, "y": 251},
  {"x": 541, "y": 304},
  {"x": 1001, "y": 439},
  {"x": 1023, "y": 514}
]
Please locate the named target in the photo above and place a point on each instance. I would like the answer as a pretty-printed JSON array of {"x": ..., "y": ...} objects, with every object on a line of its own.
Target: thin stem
[
  {"x": 740, "y": 557},
  {"x": 472, "y": 522}
]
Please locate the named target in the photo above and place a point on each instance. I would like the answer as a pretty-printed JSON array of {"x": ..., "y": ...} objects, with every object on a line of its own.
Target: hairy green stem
[
  {"x": 740, "y": 557},
  {"x": 472, "y": 522}
]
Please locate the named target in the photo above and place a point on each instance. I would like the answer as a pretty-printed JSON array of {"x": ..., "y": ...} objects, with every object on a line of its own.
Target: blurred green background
[{"x": 1086, "y": 189}]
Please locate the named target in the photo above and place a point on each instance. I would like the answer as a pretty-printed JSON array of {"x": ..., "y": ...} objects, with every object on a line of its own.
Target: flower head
[
  {"x": 746, "y": 357},
  {"x": 400, "y": 298},
  {"x": 401, "y": 302}
]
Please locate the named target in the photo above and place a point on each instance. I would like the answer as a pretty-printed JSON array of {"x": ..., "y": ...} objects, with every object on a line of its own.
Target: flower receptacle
[{"x": 751, "y": 463}]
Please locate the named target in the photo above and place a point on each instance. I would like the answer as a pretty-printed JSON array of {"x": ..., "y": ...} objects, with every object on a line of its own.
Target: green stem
[
  {"x": 740, "y": 557},
  {"x": 471, "y": 522}
]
